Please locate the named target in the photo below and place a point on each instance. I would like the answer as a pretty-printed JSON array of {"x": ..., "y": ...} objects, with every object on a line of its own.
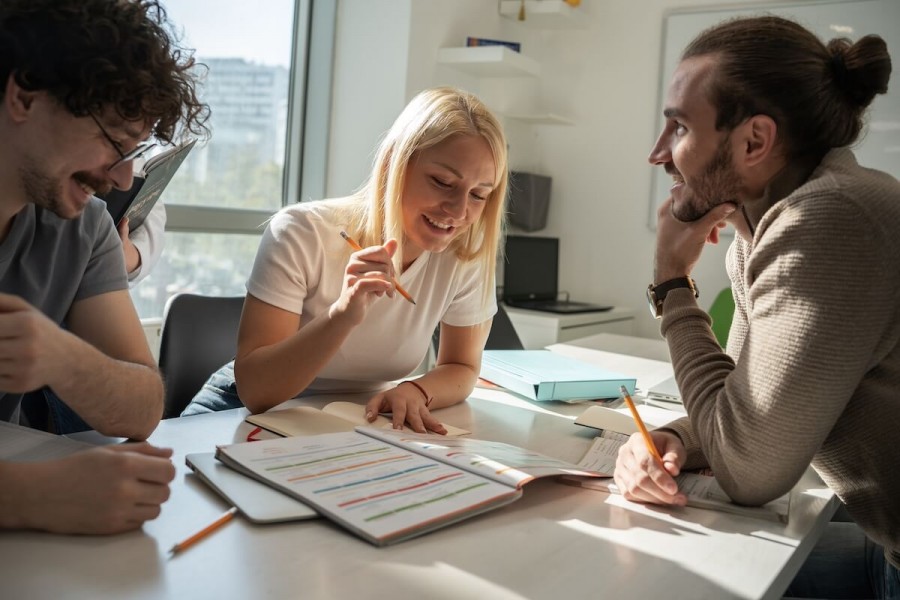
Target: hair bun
[
  {"x": 839, "y": 66},
  {"x": 860, "y": 70}
]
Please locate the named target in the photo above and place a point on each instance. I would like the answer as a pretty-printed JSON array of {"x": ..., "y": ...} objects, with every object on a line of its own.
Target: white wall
[
  {"x": 604, "y": 75},
  {"x": 372, "y": 44}
]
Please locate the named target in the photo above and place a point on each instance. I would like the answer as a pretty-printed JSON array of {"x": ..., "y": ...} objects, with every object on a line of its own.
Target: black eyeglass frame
[{"x": 135, "y": 153}]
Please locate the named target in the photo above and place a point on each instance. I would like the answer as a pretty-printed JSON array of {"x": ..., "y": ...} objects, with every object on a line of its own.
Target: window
[
  {"x": 214, "y": 264},
  {"x": 258, "y": 70}
]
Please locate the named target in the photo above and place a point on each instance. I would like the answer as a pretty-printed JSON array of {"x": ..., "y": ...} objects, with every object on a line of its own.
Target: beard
[
  {"x": 40, "y": 189},
  {"x": 46, "y": 192},
  {"x": 718, "y": 184}
]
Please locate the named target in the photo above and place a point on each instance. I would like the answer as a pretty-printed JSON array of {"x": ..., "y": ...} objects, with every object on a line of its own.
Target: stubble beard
[
  {"x": 718, "y": 184},
  {"x": 40, "y": 189},
  {"x": 46, "y": 192}
]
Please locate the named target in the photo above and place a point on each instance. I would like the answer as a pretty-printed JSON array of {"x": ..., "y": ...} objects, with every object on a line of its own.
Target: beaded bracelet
[{"x": 421, "y": 389}]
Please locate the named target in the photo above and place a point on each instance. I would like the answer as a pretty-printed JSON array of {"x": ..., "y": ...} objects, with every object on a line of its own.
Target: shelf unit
[
  {"x": 499, "y": 61},
  {"x": 546, "y": 14},
  {"x": 489, "y": 61}
]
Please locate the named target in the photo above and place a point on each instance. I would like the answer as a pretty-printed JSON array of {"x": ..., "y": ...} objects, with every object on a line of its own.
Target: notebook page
[
  {"x": 377, "y": 490},
  {"x": 23, "y": 444}
]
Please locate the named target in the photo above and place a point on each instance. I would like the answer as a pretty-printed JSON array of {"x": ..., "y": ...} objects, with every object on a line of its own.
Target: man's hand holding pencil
[{"x": 648, "y": 462}]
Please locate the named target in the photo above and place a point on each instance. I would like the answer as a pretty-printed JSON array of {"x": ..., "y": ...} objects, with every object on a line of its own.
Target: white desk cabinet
[{"x": 537, "y": 329}]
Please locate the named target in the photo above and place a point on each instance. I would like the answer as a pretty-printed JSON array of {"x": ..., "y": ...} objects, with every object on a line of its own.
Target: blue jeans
[
  {"x": 846, "y": 564},
  {"x": 218, "y": 393},
  {"x": 45, "y": 410}
]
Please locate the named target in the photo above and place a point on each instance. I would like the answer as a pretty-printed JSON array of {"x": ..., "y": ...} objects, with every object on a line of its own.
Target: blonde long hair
[{"x": 432, "y": 116}]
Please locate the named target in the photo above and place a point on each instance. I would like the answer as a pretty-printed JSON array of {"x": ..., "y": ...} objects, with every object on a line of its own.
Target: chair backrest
[
  {"x": 502, "y": 336},
  {"x": 199, "y": 335},
  {"x": 721, "y": 311}
]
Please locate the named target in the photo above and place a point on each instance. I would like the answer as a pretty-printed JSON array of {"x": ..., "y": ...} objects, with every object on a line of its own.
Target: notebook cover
[{"x": 257, "y": 501}]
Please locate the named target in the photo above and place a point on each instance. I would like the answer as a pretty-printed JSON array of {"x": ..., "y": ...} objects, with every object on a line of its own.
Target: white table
[{"x": 555, "y": 542}]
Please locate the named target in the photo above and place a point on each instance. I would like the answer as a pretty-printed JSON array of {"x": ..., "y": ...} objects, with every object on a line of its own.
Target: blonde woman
[{"x": 320, "y": 317}]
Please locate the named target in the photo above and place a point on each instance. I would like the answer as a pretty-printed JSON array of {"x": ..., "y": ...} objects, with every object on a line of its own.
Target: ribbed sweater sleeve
[{"x": 812, "y": 372}]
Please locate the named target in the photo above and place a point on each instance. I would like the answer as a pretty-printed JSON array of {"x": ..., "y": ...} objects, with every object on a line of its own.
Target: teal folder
[{"x": 545, "y": 375}]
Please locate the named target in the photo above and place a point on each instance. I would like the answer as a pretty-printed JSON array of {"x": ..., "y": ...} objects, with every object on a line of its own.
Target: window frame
[{"x": 306, "y": 143}]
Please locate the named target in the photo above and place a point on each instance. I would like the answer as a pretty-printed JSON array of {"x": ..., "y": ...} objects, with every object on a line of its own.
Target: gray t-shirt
[{"x": 52, "y": 262}]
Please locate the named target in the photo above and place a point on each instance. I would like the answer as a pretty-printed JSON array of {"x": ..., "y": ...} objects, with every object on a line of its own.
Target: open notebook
[
  {"x": 386, "y": 485},
  {"x": 701, "y": 488}
]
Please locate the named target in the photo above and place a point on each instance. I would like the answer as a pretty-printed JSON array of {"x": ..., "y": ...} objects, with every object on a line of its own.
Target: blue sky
[{"x": 258, "y": 30}]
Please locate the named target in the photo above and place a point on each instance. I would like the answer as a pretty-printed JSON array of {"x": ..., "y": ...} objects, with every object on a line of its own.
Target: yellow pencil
[
  {"x": 397, "y": 285},
  {"x": 187, "y": 543},
  {"x": 640, "y": 423}
]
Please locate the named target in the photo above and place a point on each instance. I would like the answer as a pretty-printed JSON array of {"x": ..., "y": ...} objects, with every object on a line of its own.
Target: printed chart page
[
  {"x": 502, "y": 462},
  {"x": 379, "y": 491}
]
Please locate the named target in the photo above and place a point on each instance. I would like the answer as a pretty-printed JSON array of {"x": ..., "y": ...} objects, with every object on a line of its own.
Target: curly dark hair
[{"x": 93, "y": 55}]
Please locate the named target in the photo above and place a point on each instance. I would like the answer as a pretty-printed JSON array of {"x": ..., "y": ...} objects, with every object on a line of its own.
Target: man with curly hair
[{"x": 85, "y": 83}]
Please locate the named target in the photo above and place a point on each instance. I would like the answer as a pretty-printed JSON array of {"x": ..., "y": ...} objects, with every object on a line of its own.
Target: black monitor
[{"x": 531, "y": 268}]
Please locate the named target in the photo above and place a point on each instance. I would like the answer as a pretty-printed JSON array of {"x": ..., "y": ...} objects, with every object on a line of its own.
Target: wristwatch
[{"x": 657, "y": 293}]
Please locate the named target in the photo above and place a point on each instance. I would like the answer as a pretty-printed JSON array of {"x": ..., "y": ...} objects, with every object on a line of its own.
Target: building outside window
[{"x": 254, "y": 78}]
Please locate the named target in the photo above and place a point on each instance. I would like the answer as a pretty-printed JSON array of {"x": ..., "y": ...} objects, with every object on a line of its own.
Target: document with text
[{"x": 702, "y": 490}]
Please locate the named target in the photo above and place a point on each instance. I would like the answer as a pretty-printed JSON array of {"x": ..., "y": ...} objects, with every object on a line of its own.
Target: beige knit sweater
[{"x": 812, "y": 370}]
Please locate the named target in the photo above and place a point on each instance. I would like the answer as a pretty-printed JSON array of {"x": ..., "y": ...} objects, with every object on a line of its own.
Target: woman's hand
[
  {"x": 407, "y": 405},
  {"x": 132, "y": 254},
  {"x": 367, "y": 277}
]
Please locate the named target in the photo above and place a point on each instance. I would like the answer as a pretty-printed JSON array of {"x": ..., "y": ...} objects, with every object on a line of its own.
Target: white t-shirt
[
  {"x": 300, "y": 268},
  {"x": 149, "y": 239}
]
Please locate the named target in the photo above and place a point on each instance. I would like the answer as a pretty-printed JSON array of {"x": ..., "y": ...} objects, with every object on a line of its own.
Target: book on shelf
[
  {"x": 545, "y": 375},
  {"x": 136, "y": 202},
  {"x": 332, "y": 418},
  {"x": 478, "y": 41},
  {"x": 387, "y": 486},
  {"x": 701, "y": 488}
]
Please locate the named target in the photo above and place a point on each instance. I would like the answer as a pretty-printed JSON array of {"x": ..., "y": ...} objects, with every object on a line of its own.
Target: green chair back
[{"x": 722, "y": 311}]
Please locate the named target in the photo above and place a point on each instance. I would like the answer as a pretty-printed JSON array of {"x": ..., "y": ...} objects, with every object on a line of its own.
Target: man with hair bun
[
  {"x": 758, "y": 119},
  {"x": 85, "y": 83}
]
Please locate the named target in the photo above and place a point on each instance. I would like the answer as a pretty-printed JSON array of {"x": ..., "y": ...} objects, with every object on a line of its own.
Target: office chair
[
  {"x": 199, "y": 335},
  {"x": 722, "y": 312},
  {"x": 503, "y": 335}
]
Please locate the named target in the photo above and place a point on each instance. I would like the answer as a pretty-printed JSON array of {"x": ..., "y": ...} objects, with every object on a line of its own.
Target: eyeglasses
[{"x": 135, "y": 153}]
